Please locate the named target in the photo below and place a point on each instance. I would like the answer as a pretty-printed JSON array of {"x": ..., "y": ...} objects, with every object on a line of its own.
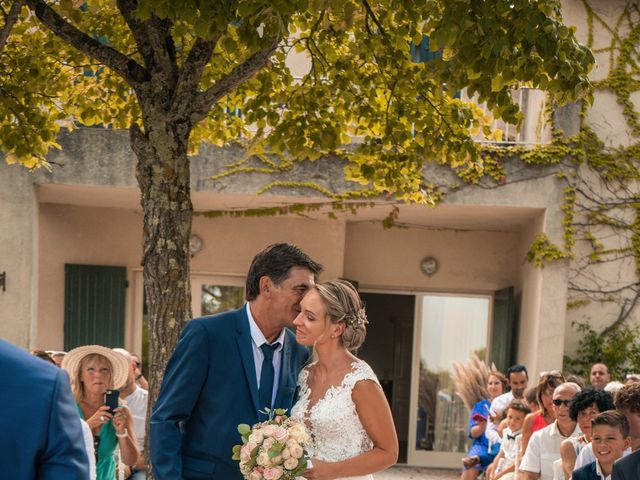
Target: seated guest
[
  {"x": 517, "y": 379},
  {"x": 545, "y": 415},
  {"x": 584, "y": 406},
  {"x": 136, "y": 399},
  {"x": 544, "y": 445},
  {"x": 43, "y": 355},
  {"x": 610, "y": 438},
  {"x": 511, "y": 441},
  {"x": 57, "y": 356},
  {"x": 95, "y": 369},
  {"x": 531, "y": 397},
  {"x": 496, "y": 382},
  {"x": 599, "y": 376}
]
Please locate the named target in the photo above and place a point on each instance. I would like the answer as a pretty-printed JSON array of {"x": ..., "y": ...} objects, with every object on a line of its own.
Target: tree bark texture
[{"x": 164, "y": 178}]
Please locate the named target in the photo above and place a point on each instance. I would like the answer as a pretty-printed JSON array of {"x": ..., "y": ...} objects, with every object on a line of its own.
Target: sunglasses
[{"x": 557, "y": 402}]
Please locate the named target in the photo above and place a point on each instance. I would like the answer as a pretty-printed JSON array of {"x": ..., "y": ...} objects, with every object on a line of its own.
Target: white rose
[
  {"x": 286, "y": 453},
  {"x": 273, "y": 473},
  {"x": 256, "y": 437},
  {"x": 299, "y": 433},
  {"x": 277, "y": 460},
  {"x": 296, "y": 451},
  {"x": 290, "y": 463},
  {"x": 263, "y": 459},
  {"x": 268, "y": 443}
]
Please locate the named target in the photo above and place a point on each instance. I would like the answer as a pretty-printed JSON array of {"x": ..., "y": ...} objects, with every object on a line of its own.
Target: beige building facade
[{"x": 453, "y": 281}]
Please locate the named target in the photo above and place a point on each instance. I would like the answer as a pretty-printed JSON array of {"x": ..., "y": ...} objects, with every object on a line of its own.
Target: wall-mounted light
[
  {"x": 429, "y": 266},
  {"x": 3, "y": 281},
  {"x": 195, "y": 244}
]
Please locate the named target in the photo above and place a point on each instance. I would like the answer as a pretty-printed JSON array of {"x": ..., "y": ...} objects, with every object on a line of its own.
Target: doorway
[{"x": 388, "y": 349}]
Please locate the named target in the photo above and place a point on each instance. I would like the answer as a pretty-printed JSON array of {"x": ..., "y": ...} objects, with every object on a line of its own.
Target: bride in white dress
[{"x": 340, "y": 399}]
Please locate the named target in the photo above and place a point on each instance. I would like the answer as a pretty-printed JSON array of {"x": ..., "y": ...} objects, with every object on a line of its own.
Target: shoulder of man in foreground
[
  {"x": 627, "y": 467},
  {"x": 38, "y": 405}
]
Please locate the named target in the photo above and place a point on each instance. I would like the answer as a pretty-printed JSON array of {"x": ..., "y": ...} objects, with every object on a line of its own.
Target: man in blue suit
[
  {"x": 227, "y": 368},
  {"x": 41, "y": 433}
]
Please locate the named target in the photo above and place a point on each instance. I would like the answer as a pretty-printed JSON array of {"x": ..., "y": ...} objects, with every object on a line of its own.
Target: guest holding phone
[
  {"x": 94, "y": 370},
  {"x": 478, "y": 418}
]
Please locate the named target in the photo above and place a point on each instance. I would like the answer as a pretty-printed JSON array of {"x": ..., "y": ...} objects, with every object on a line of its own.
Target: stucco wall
[
  {"x": 18, "y": 254},
  {"x": 108, "y": 236},
  {"x": 471, "y": 261}
]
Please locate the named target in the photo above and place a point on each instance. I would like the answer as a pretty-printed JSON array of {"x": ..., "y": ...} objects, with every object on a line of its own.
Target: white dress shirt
[
  {"x": 544, "y": 449},
  {"x": 137, "y": 403},
  {"x": 258, "y": 339}
]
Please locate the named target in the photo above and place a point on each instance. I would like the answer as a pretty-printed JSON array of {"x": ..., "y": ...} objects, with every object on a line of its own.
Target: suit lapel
[{"x": 246, "y": 354}]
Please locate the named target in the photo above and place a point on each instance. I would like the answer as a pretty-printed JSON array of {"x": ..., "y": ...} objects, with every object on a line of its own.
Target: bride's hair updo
[{"x": 344, "y": 305}]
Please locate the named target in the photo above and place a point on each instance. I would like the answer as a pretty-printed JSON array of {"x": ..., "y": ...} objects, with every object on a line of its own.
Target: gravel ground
[{"x": 415, "y": 473}]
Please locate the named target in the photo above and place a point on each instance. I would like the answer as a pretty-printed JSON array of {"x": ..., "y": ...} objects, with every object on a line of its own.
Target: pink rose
[
  {"x": 273, "y": 473},
  {"x": 268, "y": 430},
  {"x": 255, "y": 475},
  {"x": 281, "y": 435}
]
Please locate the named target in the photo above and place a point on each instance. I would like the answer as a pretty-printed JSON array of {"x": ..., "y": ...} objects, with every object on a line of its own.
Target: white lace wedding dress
[{"x": 335, "y": 428}]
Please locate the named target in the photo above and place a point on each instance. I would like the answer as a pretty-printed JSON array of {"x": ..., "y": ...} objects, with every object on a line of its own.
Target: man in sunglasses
[{"x": 544, "y": 446}]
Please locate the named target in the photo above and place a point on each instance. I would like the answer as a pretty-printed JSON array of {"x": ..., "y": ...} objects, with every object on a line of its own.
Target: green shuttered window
[{"x": 94, "y": 305}]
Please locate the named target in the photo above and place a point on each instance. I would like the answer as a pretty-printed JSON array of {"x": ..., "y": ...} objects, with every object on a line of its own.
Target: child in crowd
[
  {"x": 511, "y": 441},
  {"x": 610, "y": 438}
]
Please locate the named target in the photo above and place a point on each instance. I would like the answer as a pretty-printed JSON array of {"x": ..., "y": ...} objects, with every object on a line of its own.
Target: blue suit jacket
[
  {"x": 627, "y": 468},
  {"x": 209, "y": 388},
  {"x": 41, "y": 433},
  {"x": 586, "y": 472}
]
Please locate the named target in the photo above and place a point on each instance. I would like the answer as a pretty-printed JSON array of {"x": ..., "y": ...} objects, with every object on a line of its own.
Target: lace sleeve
[{"x": 361, "y": 371}]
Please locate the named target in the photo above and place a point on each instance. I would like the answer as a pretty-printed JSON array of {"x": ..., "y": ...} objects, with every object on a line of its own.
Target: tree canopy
[{"x": 216, "y": 57}]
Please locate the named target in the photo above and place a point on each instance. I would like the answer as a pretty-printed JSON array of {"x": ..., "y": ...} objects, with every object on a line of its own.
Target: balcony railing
[{"x": 535, "y": 128}]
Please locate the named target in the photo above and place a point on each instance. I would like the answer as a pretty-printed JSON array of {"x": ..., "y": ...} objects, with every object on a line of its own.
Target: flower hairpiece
[{"x": 359, "y": 319}]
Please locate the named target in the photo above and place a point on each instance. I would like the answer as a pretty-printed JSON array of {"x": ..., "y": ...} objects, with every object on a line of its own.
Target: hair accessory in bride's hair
[{"x": 358, "y": 320}]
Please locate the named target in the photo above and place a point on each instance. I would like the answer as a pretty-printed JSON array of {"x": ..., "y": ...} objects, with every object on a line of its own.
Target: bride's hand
[{"x": 320, "y": 471}]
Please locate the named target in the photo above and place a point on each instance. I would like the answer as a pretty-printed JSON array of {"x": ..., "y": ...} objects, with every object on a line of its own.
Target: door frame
[{"x": 435, "y": 459}]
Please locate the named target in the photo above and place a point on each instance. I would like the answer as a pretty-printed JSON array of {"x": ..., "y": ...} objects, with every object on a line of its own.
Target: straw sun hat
[{"x": 119, "y": 364}]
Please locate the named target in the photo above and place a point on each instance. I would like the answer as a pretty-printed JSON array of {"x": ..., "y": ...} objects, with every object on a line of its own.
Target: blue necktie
[{"x": 265, "y": 390}]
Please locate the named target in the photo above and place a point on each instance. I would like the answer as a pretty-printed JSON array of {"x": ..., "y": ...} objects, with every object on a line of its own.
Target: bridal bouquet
[{"x": 272, "y": 450}]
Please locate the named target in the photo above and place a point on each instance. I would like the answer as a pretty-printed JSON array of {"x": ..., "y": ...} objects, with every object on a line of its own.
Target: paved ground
[{"x": 415, "y": 473}]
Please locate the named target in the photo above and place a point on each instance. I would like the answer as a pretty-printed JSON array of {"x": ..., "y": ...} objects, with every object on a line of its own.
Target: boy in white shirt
[{"x": 511, "y": 441}]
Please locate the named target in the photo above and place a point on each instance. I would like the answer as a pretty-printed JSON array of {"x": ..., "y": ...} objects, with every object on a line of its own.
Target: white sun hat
[{"x": 119, "y": 364}]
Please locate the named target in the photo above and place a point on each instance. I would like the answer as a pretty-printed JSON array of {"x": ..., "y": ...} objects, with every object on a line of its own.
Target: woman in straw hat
[{"x": 94, "y": 370}]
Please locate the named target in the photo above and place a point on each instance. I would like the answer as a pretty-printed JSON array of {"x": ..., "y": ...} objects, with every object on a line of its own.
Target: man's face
[
  {"x": 561, "y": 398},
  {"x": 285, "y": 298},
  {"x": 599, "y": 376},
  {"x": 518, "y": 383}
]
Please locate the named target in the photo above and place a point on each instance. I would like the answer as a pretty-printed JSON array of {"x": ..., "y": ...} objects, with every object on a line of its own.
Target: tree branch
[
  {"x": 9, "y": 21},
  {"x": 127, "y": 68},
  {"x": 127, "y": 7},
  {"x": 191, "y": 73},
  {"x": 373, "y": 17},
  {"x": 226, "y": 84}
]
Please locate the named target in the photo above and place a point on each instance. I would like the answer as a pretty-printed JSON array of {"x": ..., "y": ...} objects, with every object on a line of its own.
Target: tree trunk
[{"x": 164, "y": 178}]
